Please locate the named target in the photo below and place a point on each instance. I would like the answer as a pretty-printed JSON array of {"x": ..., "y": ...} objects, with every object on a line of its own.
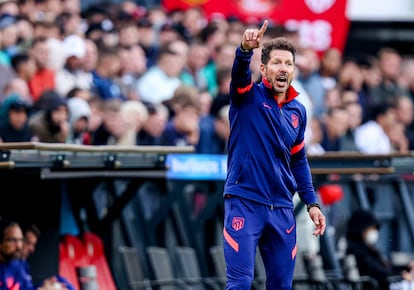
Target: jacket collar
[{"x": 291, "y": 93}]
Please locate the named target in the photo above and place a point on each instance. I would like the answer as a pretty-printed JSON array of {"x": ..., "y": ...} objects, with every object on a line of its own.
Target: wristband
[
  {"x": 244, "y": 50},
  {"x": 308, "y": 207}
]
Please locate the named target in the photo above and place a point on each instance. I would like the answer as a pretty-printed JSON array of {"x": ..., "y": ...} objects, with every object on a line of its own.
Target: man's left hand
[{"x": 318, "y": 219}]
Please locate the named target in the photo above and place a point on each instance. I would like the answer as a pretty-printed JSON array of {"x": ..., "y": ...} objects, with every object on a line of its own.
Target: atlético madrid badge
[{"x": 237, "y": 223}]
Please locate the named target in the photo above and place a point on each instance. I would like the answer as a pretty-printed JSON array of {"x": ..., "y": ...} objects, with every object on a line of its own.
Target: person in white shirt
[{"x": 372, "y": 137}]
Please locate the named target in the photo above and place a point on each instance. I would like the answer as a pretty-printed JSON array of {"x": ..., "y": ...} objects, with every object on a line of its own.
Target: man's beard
[
  {"x": 279, "y": 90},
  {"x": 11, "y": 256}
]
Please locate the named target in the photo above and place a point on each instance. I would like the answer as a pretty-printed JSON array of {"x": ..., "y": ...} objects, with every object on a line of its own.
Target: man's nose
[{"x": 283, "y": 68}]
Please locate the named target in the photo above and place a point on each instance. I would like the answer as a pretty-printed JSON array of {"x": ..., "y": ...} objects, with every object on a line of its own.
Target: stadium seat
[
  {"x": 72, "y": 254},
  {"x": 96, "y": 256}
]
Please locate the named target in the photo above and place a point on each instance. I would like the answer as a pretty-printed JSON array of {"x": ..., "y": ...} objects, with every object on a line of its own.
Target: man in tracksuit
[{"x": 267, "y": 164}]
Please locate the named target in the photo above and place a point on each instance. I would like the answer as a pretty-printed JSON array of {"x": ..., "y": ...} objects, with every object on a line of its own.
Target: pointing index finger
[{"x": 263, "y": 28}]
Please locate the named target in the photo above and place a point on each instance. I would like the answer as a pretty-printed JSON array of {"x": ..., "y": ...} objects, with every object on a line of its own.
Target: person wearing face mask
[{"x": 362, "y": 237}]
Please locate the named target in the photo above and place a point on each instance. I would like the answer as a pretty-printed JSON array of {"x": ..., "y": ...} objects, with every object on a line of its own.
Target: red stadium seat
[
  {"x": 96, "y": 256},
  {"x": 72, "y": 254}
]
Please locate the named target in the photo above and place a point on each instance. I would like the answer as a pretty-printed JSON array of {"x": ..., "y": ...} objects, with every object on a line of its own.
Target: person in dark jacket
[
  {"x": 14, "y": 120},
  {"x": 267, "y": 164},
  {"x": 50, "y": 122},
  {"x": 362, "y": 236}
]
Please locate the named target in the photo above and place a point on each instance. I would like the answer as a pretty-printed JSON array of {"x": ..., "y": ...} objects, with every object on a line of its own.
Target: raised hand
[{"x": 252, "y": 37}]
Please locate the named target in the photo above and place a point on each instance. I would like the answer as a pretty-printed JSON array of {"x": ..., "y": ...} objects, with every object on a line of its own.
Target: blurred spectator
[
  {"x": 134, "y": 114},
  {"x": 24, "y": 66},
  {"x": 213, "y": 35},
  {"x": 308, "y": 63},
  {"x": 406, "y": 76},
  {"x": 70, "y": 21},
  {"x": 112, "y": 126},
  {"x": 193, "y": 22},
  {"x": 25, "y": 33},
  {"x": 405, "y": 115},
  {"x": 9, "y": 36},
  {"x": 72, "y": 74},
  {"x": 166, "y": 72},
  {"x": 372, "y": 137},
  {"x": 362, "y": 237},
  {"x": 107, "y": 70},
  {"x": 95, "y": 13},
  {"x": 77, "y": 92},
  {"x": 351, "y": 79},
  {"x": 223, "y": 76},
  {"x": 181, "y": 48},
  {"x": 332, "y": 99},
  {"x": 398, "y": 138},
  {"x": 103, "y": 34},
  {"x": 79, "y": 115},
  {"x": 334, "y": 127},
  {"x": 156, "y": 14},
  {"x": 31, "y": 236},
  {"x": 57, "y": 56},
  {"x": 348, "y": 96},
  {"x": 214, "y": 132},
  {"x": 354, "y": 110},
  {"x": 45, "y": 28},
  {"x": 371, "y": 78},
  {"x": 13, "y": 271},
  {"x": 128, "y": 34},
  {"x": 148, "y": 40},
  {"x": 167, "y": 33},
  {"x": 49, "y": 9},
  {"x": 222, "y": 58},
  {"x": 10, "y": 7},
  {"x": 326, "y": 79},
  {"x": 7, "y": 74},
  {"x": 50, "y": 122},
  {"x": 389, "y": 62},
  {"x": 235, "y": 30},
  {"x": 19, "y": 87},
  {"x": 131, "y": 71},
  {"x": 44, "y": 78},
  {"x": 183, "y": 128},
  {"x": 152, "y": 129},
  {"x": 96, "y": 105},
  {"x": 90, "y": 58},
  {"x": 14, "y": 120},
  {"x": 197, "y": 59},
  {"x": 205, "y": 102},
  {"x": 314, "y": 147}
]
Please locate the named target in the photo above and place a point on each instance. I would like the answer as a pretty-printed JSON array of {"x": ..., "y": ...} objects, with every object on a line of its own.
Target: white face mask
[{"x": 371, "y": 237}]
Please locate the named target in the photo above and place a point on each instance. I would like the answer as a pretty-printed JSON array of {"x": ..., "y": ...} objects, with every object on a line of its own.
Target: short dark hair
[
  {"x": 31, "y": 227},
  {"x": 18, "y": 59},
  {"x": 381, "y": 109},
  {"x": 4, "y": 224},
  {"x": 281, "y": 43}
]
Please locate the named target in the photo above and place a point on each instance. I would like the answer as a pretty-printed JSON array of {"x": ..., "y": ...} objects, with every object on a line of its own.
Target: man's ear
[{"x": 262, "y": 69}]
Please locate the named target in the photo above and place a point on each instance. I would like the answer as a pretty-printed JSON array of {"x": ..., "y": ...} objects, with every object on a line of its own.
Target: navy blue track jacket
[{"x": 266, "y": 153}]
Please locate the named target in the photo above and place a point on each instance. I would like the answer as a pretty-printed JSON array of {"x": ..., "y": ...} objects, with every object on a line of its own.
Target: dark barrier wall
[
  {"x": 168, "y": 197},
  {"x": 26, "y": 197}
]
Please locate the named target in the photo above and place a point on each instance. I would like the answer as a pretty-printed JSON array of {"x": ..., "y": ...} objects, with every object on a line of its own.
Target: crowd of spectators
[{"x": 123, "y": 74}]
